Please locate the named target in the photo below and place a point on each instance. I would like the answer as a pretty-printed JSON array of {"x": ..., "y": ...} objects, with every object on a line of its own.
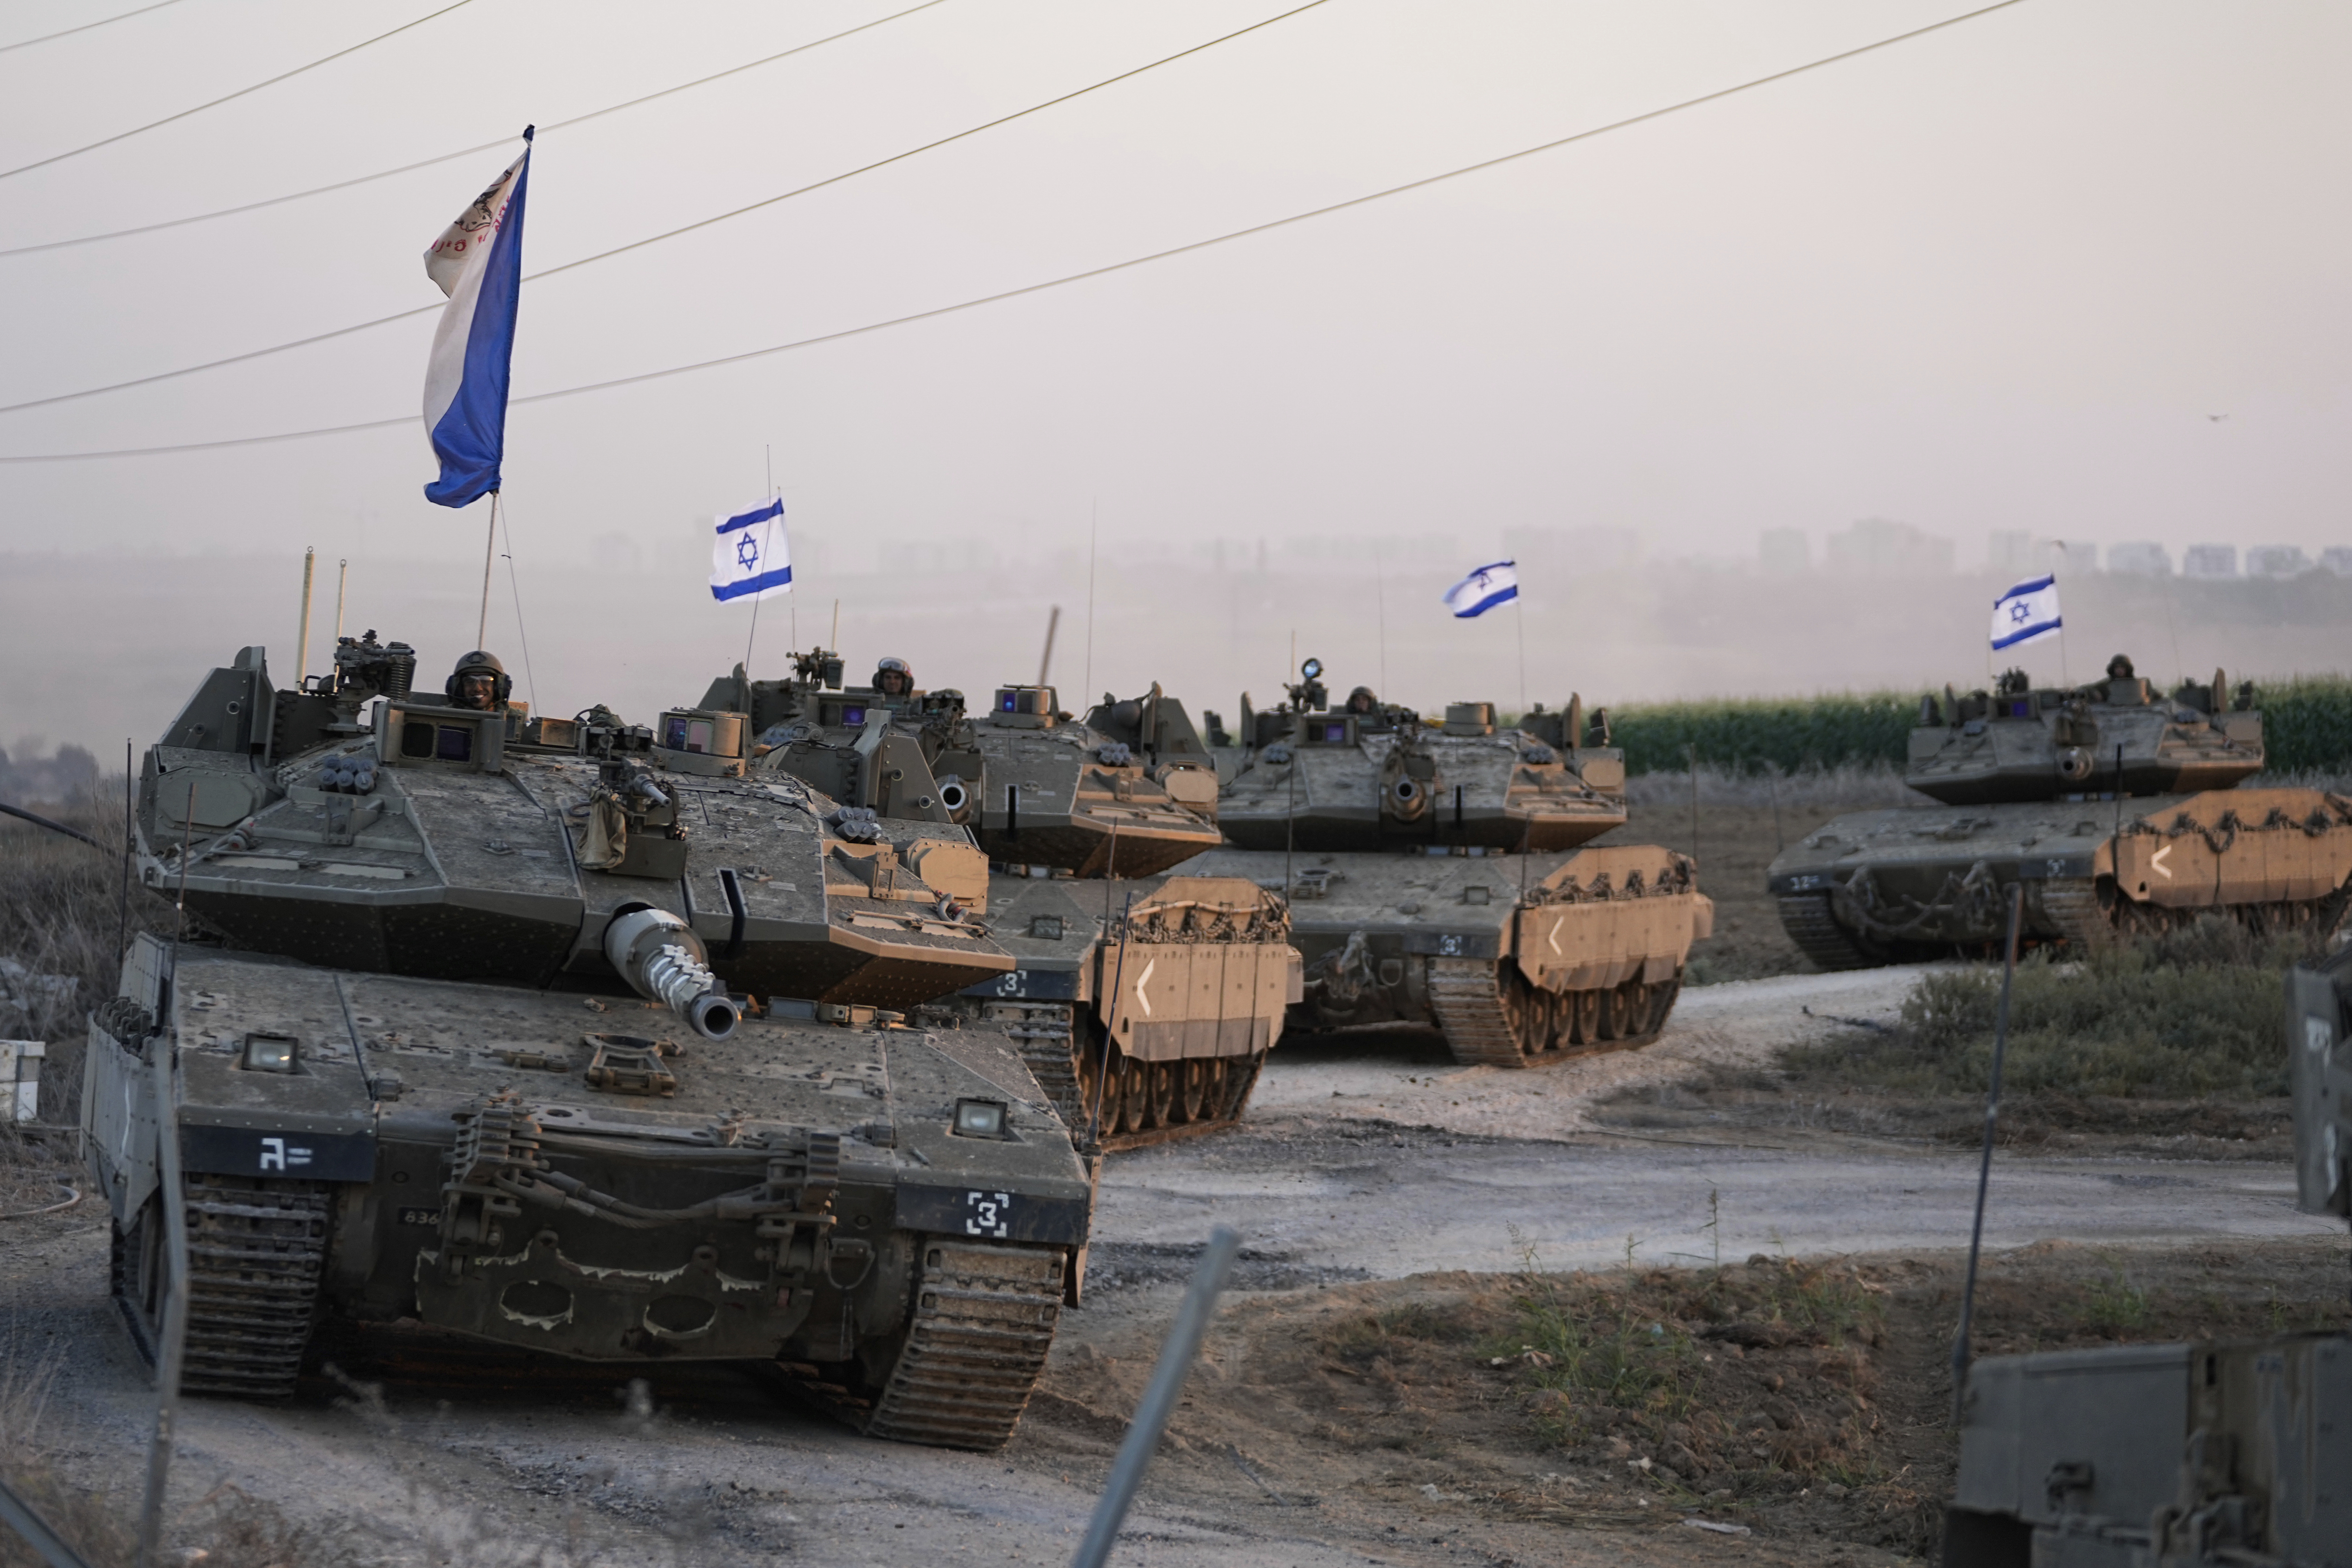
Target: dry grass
[{"x": 61, "y": 913}]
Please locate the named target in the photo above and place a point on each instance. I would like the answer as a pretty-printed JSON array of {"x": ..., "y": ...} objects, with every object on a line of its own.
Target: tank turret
[
  {"x": 1367, "y": 775},
  {"x": 2020, "y": 743},
  {"x": 464, "y": 844}
]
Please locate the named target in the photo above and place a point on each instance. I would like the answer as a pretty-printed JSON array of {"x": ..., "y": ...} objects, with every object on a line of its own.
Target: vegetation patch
[{"x": 2194, "y": 1012}]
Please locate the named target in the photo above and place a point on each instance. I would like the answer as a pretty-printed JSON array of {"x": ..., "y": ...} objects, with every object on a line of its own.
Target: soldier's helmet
[
  {"x": 478, "y": 662},
  {"x": 2120, "y": 668},
  {"x": 1364, "y": 701},
  {"x": 892, "y": 678}
]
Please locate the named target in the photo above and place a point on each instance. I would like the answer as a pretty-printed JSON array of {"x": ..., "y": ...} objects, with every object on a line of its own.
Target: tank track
[
  {"x": 1240, "y": 1081},
  {"x": 1807, "y": 919},
  {"x": 2071, "y": 904},
  {"x": 1466, "y": 995},
  {"x": 255, "y": 1250},
  {"x": 985, "y": 1319}
]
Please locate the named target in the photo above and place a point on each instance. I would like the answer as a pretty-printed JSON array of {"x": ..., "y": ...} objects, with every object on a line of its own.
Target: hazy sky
[{"x": 1996, "y": 277}]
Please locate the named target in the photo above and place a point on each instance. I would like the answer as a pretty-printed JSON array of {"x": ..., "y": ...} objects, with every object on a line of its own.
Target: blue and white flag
[
  {"x": 478, "y": 262},
  {"x": 2026, "y": 614},
  {"x": 1484, "y": 589},
  {"x": 750, "y": 559}
]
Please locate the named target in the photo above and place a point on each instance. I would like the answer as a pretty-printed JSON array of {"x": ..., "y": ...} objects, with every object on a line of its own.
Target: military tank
[
  {"x": 1432, "y": 876},
  {"x": 1082, "y": 822},
  {"x": 569, "y": 1035},
  {"x": 2203, "y": 1455},
  {"x": 2117, "y": 807}
]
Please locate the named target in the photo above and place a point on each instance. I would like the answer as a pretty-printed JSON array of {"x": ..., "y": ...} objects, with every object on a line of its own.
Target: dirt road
[{"x": 1369, "y": 1157}]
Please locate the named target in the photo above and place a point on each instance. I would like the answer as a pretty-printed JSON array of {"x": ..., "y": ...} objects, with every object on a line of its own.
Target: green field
[{"x": 2306, "y": 724}]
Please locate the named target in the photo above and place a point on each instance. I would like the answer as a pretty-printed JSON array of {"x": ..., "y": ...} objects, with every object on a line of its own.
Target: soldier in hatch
[
  {"x": 2120, "y": 668},
  {"x": 479, "y": 682},
  {"x": 1361, "y": 700},
  {"x": 893, "y": 680}
]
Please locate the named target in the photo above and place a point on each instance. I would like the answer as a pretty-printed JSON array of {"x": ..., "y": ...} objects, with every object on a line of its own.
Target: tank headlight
[
  {"x": 269, "y": 1053},
  {"x": 981, "y": 1119}
]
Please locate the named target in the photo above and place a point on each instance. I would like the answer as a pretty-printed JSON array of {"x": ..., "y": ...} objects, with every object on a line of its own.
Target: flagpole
[
  {"x": 489, "y": 554},
  {"x": 750, "y": 636},
  {"x": 1519, "y": 603}
]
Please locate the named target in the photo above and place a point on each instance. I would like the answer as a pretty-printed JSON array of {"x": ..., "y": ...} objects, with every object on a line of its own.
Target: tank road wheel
[
  {"x": 1663, "y": 997},
  {"x": 1134, "y": 1087},
  {"x": 1195, "y": 1089},
  {"x": 1624, "y": 1010},
  {"x": 1241, "y": 1076},
  {"x": 1583, "y": 1017},
  {"x": 1807, "y": 919},
  {"x": 1159, "y": 1108}
]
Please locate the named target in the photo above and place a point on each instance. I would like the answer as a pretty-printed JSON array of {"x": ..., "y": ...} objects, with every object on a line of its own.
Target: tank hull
[
  {"x": 1157, "y": 1038},
  {"x": 519, "y": 1166},
  {"x": 1479, "y": 794},
  {"x": 1519, "y": 959},
  {"x": 1884, "y": 886}
]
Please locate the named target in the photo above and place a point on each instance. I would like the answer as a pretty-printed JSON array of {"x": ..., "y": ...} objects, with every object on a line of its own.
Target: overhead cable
[
  {"x": 657, "y": 239},
  {"x": 544, "y": 131},
  {"x": 86, "y": 26},
  {"x": 227, "y": 97},
  {"x": 1423, "y": 184}
]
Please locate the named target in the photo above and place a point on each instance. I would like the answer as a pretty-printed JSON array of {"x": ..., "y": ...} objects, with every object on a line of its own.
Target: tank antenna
[
  {"x": 1094, "y": 525},
  {"x": 343, "y": 580},
  {"x": 1380, "y": 606},
  {"x": 750, "y": 636},
  {"x": 1045, "y": 664},
  {"x": 1984, "y": 1170},
  {"x": 122, "y": 916},
  {"x": 302, "y": 639}
]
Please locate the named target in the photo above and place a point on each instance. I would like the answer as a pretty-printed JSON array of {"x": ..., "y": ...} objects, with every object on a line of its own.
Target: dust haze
[{"x": 2055, "y": 274}]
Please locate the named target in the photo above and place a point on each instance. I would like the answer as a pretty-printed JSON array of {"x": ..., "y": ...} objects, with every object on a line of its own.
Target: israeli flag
[
  {"x": 750, "y": 559},
  {"x": 1484, "y": 589},
  {"x": 478, "y": 262},
  {"x": 2026, "y": 614}
]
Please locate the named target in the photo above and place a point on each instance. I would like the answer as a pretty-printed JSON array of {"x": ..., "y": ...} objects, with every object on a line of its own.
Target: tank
[
  {"x": 572, "y": 1036},
  {"x": 2201, "y": 1455},
  {"x": 2118, "y": 809},
  {"x": 1082, "y": 823},
  {"x": 1433, "y": 874}
]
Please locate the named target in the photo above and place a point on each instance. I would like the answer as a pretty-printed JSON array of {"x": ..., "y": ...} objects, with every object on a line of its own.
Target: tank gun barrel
[{"x": 662, "y": 959}]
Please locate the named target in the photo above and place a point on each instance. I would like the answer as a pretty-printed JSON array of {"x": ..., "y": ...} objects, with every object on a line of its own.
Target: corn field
[{"x": 2307, "y": 726}]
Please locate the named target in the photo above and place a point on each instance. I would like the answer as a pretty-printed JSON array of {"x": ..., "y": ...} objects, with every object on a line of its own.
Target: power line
[
  {"x": 546, "y": 129},
  {"x": 86, "y": 26},
  {"x": 656, "y": 239},
  {"x": 1039, "y": 288},
  {"x": 228, "y": 98}
]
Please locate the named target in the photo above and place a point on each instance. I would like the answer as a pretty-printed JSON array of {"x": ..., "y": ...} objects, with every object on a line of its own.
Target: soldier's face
[
  {"x": 892, "y": 683},
  {"x": 477, "y": 690}
]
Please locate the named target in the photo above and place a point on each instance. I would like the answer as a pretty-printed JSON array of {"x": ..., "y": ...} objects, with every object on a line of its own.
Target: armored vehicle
[
  {"x": 1432, "y": 876},
  {"x": 2182, "y": 1456},
  {"x": 599, "y": 1051},
  {"x": 2117, "y": 807}
]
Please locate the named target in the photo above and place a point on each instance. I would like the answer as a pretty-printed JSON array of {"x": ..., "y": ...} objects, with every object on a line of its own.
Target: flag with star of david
[
  {"x": 2026, "y": 614},
  {"x": 750, "y": 559}
]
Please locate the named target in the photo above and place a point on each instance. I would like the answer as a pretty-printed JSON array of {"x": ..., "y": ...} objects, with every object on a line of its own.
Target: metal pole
[
  {"x": 489, "y": 554},
  {"x": 343, "y": 580},
  {"x": 1694, "y": 776},
  {"x": 21, "y": 1516},
  {"x": 1984, "y": 1170},
  {"x": 1176, "y": 1357},
  {"x": 302, "y": 639}
]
